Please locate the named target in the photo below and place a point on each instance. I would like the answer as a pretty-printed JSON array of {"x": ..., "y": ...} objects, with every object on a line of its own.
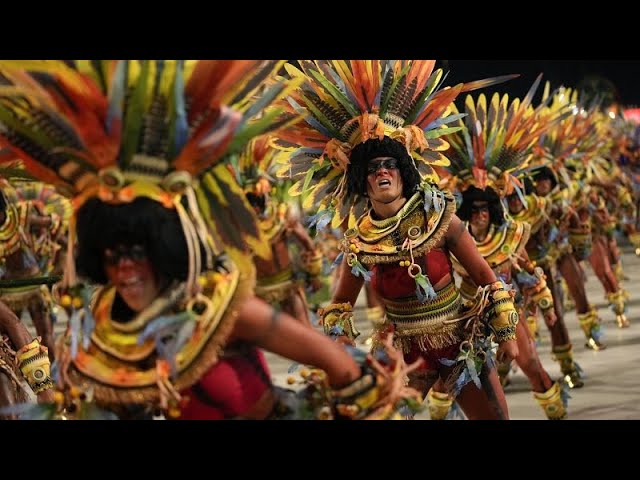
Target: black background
[{"x": 623, "y": 75}]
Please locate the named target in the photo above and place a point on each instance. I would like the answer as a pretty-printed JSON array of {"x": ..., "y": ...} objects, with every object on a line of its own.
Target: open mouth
[
  {"x": 130, "y": 285},
  {"x": 384, "y": 183}
]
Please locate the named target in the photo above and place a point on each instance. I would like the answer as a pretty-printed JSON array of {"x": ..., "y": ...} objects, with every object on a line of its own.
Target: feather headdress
[
  {"x": 350, "y": 102},
  {"x": 119, "y": 130},
  {"x": 493, "y": 143},
  {"x": 255, "y": 167}
]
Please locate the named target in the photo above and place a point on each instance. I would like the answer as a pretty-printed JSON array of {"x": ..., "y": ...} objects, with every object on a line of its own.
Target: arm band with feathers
[{"x": 337, "y": 319}]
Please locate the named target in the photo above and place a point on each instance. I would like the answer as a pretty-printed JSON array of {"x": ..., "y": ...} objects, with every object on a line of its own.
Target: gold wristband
[
  {"x": 503, "y": 316},
  {"x": 33, "y": 361},
  {"x": 544, "y": 299},
  {"x": 337, "y": 319}
]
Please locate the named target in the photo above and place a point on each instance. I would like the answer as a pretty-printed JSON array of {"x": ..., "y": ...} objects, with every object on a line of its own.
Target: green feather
[
  {"x": 335, "y": 93},
  {"x": 134, "y": 116}
]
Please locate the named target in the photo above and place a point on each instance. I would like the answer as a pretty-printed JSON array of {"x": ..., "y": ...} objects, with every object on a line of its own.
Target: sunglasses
[
  {"x": 479, "y": 209},
  {"x": 137, "y": 253},
  {"x": 387, "y": 164}
]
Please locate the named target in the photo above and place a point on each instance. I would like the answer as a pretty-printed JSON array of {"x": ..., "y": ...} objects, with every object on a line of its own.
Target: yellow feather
[
  {"x": 213, "y": 187},
  {"x": 336, "y": 221}
]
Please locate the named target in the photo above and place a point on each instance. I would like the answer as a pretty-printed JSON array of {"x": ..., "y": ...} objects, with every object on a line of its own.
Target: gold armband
[
  {"x": 33, "y": 361},
  {"x": 540, "y": 293},
  {"x": 503, "y": 316},
  {"x": 312, "y": 263},
  {"x": 543, "y": 298},
  {"x": 355, "y": 400},
  {"x": 337, "y": 319}
]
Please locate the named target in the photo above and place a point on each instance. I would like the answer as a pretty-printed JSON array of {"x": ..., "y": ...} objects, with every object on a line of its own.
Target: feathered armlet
[
  {"x": 536, "y": 289},
  {"x": 380, "y": 393},
  {"x": 337, "y": 320}
]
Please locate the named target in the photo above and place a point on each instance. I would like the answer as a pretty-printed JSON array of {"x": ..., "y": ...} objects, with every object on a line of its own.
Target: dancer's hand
[
  {"x": 550, "y": 318},
  {"x": 507, "y": 351}
]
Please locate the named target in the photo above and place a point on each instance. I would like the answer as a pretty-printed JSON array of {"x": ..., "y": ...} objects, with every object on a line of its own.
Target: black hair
[
  {"x": 544, "y": 173},
  {"x": 362, "y": 153},
  {"x": 474, "y": 194},
  {"x": 142, "y": 222},
  {"x": 258, "y": 201}
]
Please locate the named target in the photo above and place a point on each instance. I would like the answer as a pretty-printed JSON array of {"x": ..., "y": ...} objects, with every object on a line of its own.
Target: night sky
[{"x": 622, "y": 75}]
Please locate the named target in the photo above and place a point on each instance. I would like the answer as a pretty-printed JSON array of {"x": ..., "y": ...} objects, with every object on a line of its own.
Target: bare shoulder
[{"x": 455, "y": 230}]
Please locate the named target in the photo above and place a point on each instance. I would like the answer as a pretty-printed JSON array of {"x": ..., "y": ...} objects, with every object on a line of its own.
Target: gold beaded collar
[{"x": 380, "y": 241}]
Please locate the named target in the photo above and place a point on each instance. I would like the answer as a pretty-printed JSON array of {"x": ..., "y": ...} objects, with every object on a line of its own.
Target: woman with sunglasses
[{"x": 368, "y": 143}]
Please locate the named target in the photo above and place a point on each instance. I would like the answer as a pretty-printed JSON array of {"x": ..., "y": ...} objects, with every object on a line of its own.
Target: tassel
[
  {"x": 357, "y": 270},
  {"x": 424, "y": 289},
  {"x": 526, "y": 279}
]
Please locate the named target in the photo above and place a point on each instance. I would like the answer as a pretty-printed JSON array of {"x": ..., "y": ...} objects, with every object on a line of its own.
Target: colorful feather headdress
[
  {"x": 350, "y": 102},
  {"x": 255, "y": 167},
  {"x": 492, "y": 144},
  {"x": 119, "y": 130},
  {"x": 578, "y": 140}
]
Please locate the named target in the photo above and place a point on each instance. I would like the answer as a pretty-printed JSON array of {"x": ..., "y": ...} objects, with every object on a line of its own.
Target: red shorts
[{"x": 431, "y": 358}]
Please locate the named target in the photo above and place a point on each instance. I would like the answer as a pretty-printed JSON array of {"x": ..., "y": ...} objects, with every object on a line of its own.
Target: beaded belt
[{"x": 425, "y": 322}]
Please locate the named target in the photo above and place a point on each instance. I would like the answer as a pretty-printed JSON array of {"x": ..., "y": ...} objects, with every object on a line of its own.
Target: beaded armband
[
  {"x": 33, "y": 361},
  {"x": 502, "y": 314},
  {"x": 337, "y": 319},
  {"x": 356, "y": 399},
  {"x": 540, "y": 293}
]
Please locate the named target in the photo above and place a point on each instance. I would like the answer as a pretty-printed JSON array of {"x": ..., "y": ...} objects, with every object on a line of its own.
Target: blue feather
[
  {"x": 343, "y": 88},
  {"x": 267, "y": 97},
  {"x": 163, "y": 323},
  {"x": 336, "y": 330},
  {"x": 181, "y": 127},
  {"x": 309, "y": 119},
  {"x": 455, "y": 412},
  {"x": 338, "y": 260},
  {"x": 293, "y": 367},
  {"x": 116, "y": 95},
  {"x": 447, "y": 362},
  {"x": 438, "y": 122}
]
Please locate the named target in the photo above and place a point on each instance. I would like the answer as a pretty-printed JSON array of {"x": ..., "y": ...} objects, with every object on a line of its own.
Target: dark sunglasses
[
  {"x": 479, "y": 209},
  {"x": 137, "y": 253},
  {"x": 388, "y": 164}
]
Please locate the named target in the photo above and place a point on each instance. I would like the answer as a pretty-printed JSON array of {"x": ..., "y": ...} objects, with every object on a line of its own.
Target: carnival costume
[
  {"x": 350, "y": 102},
  {"x": 571, "y": 237},
  {"x": 280, "y": 281},
  {"x": 490, "y": 146}
]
